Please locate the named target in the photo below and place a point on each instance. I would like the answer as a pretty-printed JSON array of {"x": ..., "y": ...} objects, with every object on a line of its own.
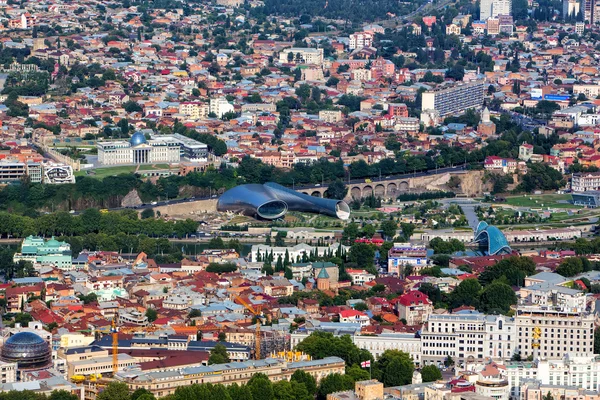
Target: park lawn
[
  {"x": 101, "y": 173},
  {"x": 536, "y": 201},
  {"x": 152, "y": 167}
]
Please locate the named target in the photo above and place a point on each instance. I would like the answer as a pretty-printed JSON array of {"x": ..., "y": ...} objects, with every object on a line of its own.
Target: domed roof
[
  {"x": 24, "y": 338},
  {"x": 137, "y": 139},
  {"x": 28, "y": 350}
]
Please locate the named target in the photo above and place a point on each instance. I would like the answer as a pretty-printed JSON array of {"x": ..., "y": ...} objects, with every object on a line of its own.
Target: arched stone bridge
[{"x": 390, "y": 187}]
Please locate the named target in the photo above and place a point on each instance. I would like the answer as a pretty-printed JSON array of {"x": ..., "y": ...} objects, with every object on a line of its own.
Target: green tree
[
  {"x": 261, "y": 387},
  {"x": 140, "y": 392},
  {"x": 570, "y": 267},
  {"x": 147, "y": 213},
  {"x": 497, "y": 297},
  {"x": 336, "y": 190},
  {"x": 218, "y": 355},
  {"x": 357, "y": 373},
  {"x": 307, "y": 379},
  {"x": 237, "y": 392},
  {"x": 361, "y": 306},
  {"x": 407, "y": 230},
  {"x": 334, "y": 383},
  {"x": 466, "y": 293},
  {"x": 396, "y": 368},
  {"x": 63, "y": 395},
  {"x": 389, "y": 228},
  {"x": 431, "y": 373},
  {"x": 323, "y": 344},
  {"x": 151, "y": 314},
  {"x": 114, "y": 391},
  {"x": 132, "y": 106}
]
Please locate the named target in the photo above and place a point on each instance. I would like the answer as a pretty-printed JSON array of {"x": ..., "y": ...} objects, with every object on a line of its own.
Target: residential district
[{"x": 277, "y": 200}]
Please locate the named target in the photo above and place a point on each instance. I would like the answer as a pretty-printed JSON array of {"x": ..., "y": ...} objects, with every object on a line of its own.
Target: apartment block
[
  {"x": 585, "y": 181},
  {"x": 564, "y": 331},
  {"x": 453, "y": 99}
]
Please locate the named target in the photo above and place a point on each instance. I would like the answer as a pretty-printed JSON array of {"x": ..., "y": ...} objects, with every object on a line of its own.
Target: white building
[
  {"x": 8, "y": 372},
  {"x": 451, "y": 100},
  {"x": 138, "y": 150},
  {"x": 220, "y": 106},
  {"x": 493, "y": 8},
  {"x": 590, "y": 91},
  {"x": 564, "y": 331},
  {"x": 194, "y": 109},
  {"x": 467, "y": 336},
  {"x": 360, "y": 276},
  {"x": 302, "y": 55},
  {"x": 572, "y": 370},
  {"x": 360, "y": 39},
  {"x": 585, "y": 181}
]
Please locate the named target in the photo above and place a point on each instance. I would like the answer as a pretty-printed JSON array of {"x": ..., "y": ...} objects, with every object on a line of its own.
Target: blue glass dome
[
  {"x": 491, "y": 239},
  {"x": 28, "y": 350},
  {"x": 137, "y": 139}
]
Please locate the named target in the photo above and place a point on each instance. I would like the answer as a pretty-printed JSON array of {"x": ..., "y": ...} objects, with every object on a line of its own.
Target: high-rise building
[
  {"x": 570, "y": 8},
  {"x": 493, "y": 8},
  {"x": 453, "y": 99},
  {"x": 588, "y": 11},
  {"x": 563, "y": 331}
]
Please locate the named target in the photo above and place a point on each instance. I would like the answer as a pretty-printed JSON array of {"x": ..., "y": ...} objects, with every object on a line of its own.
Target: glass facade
[{"x": 272, "y": 201}]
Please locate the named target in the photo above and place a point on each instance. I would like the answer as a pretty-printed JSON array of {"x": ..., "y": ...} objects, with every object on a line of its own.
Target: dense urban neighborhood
[{"x": 285, "y": 200}]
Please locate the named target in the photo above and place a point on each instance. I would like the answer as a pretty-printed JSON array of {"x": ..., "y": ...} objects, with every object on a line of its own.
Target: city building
[
  {"x": 363, "y": 390},
  {"x": 590, "y": 91},
  {"x": 273, "y": 201},
  {"x": 194, "y": 109},
  {"x": 493, "y": 8},
  {"x": 28, "y": 350},
  {"x": 493, "y": 26},
  {"x": 563, "y": 331},
  {"x": 138, "y": 150},
  {"x": 301, "y": 55},
  {"x": 452, "y": 99},
  {"x": 589, "y": 11},
  {"x": 590, "y": 198},
  {"x": 467, "y": 336},
  {"x": 491, "y": 239},
  {"x": 165, "y": 383},
  {"x": 52, "y": 252},
  {"x": 525, "y": 151},
  {"x": 219, "y": 106},
  {"x": 414, "y": 307},
  {"x": 406, "y": 254},
  {"x": 570, "y": 8},
  {"x": 585, "y": 181},
  {"x": 359, "y": 40},
  {"x": 330, "y": 116}
]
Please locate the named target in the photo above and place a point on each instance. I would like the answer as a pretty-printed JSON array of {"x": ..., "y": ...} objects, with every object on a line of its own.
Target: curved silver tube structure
[{"x": 272, "y": 201}]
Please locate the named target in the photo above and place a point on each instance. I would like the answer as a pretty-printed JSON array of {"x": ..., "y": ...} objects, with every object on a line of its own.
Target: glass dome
[
  {"x": 28, "y": 350},
  {"x": 137, "y": 139}
]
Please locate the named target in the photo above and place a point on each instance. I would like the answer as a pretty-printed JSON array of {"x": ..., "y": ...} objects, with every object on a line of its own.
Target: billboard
[
  {"x": 556, "y": 97},
  {"x": 536, "y": 94}
]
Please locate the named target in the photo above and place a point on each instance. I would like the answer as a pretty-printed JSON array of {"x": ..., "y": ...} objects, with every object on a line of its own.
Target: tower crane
[
  {"x": 258, "y": 314},
  {"x": 115, "y": 329}
]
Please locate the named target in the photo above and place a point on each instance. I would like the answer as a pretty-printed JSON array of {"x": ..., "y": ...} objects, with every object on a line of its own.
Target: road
[{"x": 423, "y": 7}]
